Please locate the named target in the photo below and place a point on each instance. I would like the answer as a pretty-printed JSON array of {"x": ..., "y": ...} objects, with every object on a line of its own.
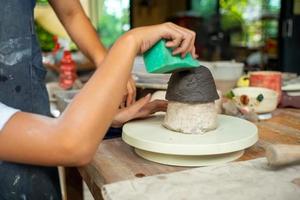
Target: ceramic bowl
[
  {"x": 225, "y": 73},
  {"x": 261, "y": 100}
]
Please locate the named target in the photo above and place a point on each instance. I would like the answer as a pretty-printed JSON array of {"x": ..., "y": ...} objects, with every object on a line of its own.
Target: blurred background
[{"x": 263, "y": 34}]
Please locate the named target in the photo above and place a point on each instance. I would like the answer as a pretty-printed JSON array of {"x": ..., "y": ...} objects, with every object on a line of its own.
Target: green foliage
[
  {"x": 206, "y": 8},
  {"x": 270, "y": 28},
  {"x": 111, "y": 26},
  {"x": 232, "y": 16},
  {"x": 231, "y": 11},
  {"x": 110, "y": 29},
  {"x": 45, "y": 38},
  {"x": 42, "y": 1},
  {"x": 230, "y": 95},
  {"x": 244, "y": 14}
]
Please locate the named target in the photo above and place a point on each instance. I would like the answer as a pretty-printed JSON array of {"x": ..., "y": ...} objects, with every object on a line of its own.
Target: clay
[
  {"x": 196, "y": 118},
  {"x": 192, "y": 86}
]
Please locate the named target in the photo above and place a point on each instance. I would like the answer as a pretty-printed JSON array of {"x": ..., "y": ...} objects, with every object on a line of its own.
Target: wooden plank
[
  {"x": 283, "y": 128},
  {"x": 246, "y": 180},
  {"x": 89, "y": 175},
  {"x": 116, "y": 161},
  {"x": 286, "y": 118}
]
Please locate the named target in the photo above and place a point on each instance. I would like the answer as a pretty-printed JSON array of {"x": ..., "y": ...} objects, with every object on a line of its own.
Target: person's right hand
[
  {"x": 142, "y": 108},
  {"x": 180, "y": 39}
]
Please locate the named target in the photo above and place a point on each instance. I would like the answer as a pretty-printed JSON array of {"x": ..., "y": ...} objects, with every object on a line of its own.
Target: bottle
[
  {"x": 67, "y": 71},
  {"x": 57, "y": 45}
]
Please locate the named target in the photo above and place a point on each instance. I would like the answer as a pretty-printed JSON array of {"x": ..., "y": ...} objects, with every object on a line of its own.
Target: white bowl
[
  {"x": 225, "y": 73},
  {"x": 225, "y": 70},
  {"x": 266, "y": 105}
]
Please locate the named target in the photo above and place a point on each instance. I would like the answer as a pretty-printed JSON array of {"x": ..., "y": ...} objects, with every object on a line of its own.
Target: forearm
[
  {"x": 98, "y": 101},
  {"x": 77, "y": 24},
  {"x": 73, "y": 138}
]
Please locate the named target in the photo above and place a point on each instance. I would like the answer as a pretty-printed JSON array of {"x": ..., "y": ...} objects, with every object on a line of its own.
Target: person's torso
[
  {"x": 22, "y": 87},
  {"x": 21, "y": 70}
]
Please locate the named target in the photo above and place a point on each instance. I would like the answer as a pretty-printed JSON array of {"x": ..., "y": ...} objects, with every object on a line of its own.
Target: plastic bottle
[{"x": 67, "y": 71}]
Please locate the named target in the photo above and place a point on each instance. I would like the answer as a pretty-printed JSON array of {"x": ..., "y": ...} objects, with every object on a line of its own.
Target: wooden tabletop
[{"x": 116, "y": 161}]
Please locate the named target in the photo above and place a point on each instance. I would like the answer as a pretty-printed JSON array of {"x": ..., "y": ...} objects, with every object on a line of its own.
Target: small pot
[{"x": 261, "y": 100}]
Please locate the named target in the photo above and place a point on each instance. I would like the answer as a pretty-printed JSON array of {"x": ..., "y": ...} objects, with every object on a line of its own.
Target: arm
[
  {"x": 49, "y": 141},
  {"x": 73, "y": 138},
  {"x": 77, "y": 24}
]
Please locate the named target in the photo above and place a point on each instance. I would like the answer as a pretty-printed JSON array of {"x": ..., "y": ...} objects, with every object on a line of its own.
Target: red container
[
  {"x": 67, "y": 71},
  {"x": 267, "y": 79}
]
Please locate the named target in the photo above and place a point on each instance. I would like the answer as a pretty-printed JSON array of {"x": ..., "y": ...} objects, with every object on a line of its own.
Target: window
[
  {"x": 257, "y": 19},
  {"x": 114, "y": 19},
  {"x": 110, "y": 17}
]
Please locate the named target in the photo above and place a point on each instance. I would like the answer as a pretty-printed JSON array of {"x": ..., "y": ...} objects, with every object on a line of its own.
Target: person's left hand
[
  {"x": 129, "y": 97},
  {"x": 131, "y": 92},
  {"x": 140, "y": 109}
]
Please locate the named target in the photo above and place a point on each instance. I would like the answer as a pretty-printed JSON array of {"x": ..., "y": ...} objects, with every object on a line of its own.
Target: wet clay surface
[{"x": 192, "y": 86}]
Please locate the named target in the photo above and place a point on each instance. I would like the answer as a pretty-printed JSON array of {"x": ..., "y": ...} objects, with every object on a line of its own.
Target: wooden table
[{"x": 116, "y": 161}]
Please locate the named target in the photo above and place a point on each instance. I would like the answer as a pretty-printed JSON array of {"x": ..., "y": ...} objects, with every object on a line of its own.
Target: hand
[
  {"x": 141, "y": 109},
  {"x": 180, "y": 39},
  {"x": 129, "y": 97}
]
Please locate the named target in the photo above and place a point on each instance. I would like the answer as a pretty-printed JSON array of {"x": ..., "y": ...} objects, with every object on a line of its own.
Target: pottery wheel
[{"x": 226, "y": 143}]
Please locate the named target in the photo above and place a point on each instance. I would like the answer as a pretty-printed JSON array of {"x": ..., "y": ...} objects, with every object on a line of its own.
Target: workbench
[{"x": 116, "y": 161}]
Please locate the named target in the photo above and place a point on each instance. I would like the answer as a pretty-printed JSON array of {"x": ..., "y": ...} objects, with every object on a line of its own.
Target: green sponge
[{"x": 159, "y": 59}]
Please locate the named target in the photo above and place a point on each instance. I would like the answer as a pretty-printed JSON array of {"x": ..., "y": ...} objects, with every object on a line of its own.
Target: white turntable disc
[{"x": 154, "y": 142}]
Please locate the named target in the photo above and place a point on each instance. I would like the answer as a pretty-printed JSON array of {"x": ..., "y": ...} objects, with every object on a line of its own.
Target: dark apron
[{"x": 22, "y": 87}]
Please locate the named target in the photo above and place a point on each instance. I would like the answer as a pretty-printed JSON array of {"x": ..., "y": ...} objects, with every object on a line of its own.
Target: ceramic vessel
[
  {"x": 191, "y": 107},
  {"x": 261, "y": 100},
  {"x": 225, "y": 73}
]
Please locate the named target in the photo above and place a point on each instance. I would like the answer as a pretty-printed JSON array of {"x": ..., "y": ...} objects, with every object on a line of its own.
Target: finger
[
  {"x": 175, "y": 41},
  {"x": 134, "y": 90},
  {"x": 159, "y": 105},
  {"x": 187, "y": 43},
  {"x": 184, "y": 47},
  {"x": 194, "y": 54},
  {"x": 126, "y": 114},
  {"x": 131, "y": 88},
  {"x": 190, "y": 34},
  {"x": 175, "y": 37},
  {"x": 134, "y": 108},
  {"x": 123, "y": 103},
  {"x": 151, "y": 108},
  {"x": 193, "y": 49},
  {"x": 129, "y": 95}
]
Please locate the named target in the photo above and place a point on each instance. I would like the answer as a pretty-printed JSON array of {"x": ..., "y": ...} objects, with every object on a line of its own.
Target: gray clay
[{"x": 192, "y": 86}]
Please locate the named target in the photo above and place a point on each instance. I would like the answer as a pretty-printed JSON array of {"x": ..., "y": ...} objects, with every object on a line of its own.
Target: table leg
[{"x": 74, "y": 185}]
